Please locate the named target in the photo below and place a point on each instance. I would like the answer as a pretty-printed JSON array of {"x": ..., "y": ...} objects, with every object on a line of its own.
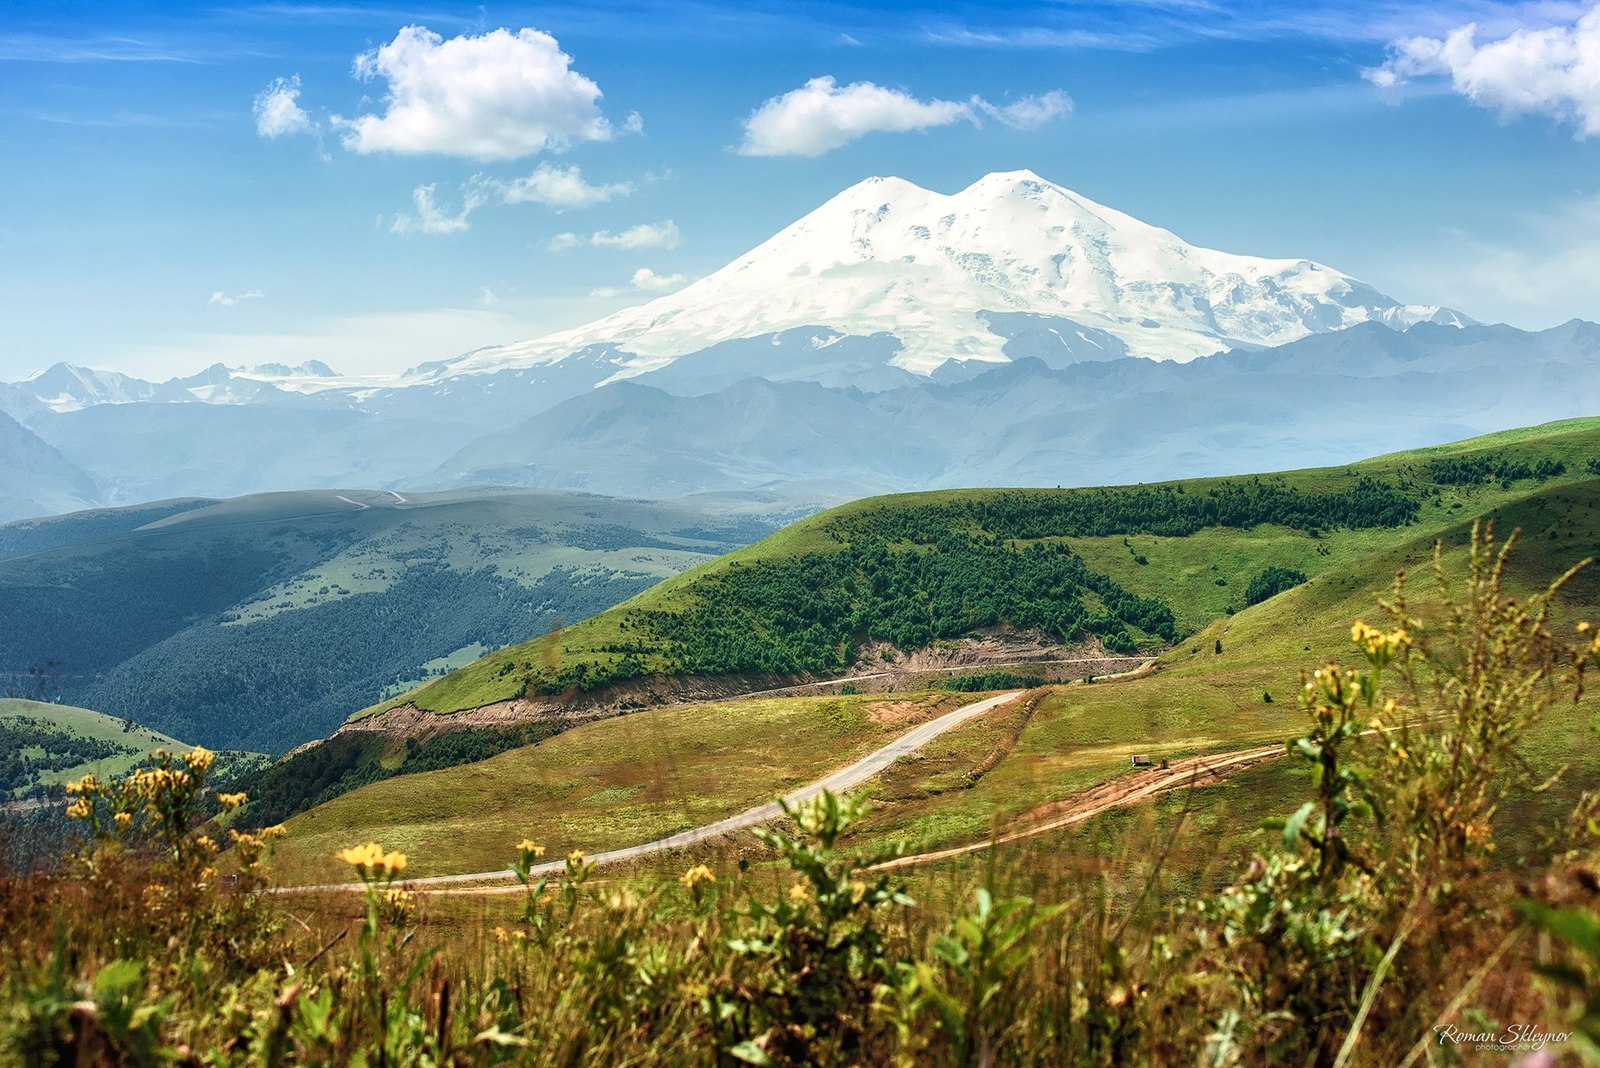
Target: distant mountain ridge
[
  {"x": 833, "y": 360},
  {"x": 1011, "y": 267}
]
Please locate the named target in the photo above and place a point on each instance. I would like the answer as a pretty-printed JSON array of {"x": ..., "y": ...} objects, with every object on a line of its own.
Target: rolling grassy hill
[
  {"x": 625, "y": 780},
  {"x": 1136, "y": 567},
  {"x": 260, "y": 622},
  {"x": 1228, "y": 683},
  {"x": 43, "y": 745}
]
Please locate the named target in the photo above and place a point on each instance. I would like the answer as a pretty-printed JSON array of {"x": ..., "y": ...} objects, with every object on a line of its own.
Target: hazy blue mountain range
[
  {"x": 261, "y": 622},
  {"x": 895, "y": 338}
]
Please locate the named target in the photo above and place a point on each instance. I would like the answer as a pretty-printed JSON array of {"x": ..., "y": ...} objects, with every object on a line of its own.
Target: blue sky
[{"x": 378, "y": 186}]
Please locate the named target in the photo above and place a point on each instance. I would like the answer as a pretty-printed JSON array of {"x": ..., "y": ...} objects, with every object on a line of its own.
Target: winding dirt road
[
  {"x": 1117, "y": 793},
  {"x": 844, "y": 779}
]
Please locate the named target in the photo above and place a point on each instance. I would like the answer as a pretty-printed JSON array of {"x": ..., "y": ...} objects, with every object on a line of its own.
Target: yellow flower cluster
[
  {"x": 399, "y": 901},
  {"x": 86, "y": 785},
  {"x": 1594, "y": 643},
  {"x": 530, "y": 848},
  {"x": 697, "y": 876},
  {"x": 152, "y": 783},
  {"x": 1377, "y": 642},
  {"x": 371, "y": 862},
  {"x": 199, "y": 759},
  {"x": 799, "y": 894},
  {"x": 232, "y": 800},
  {"x": 79, "y": 809}
]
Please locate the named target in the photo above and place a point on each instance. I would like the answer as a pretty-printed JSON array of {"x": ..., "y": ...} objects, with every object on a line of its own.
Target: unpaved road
[
  {"x": 975, "y": 669},
  {"x": 1122, "y": 791},
  {"x": 1119, "y": 792},
  {"x": 844, "y": 779}
]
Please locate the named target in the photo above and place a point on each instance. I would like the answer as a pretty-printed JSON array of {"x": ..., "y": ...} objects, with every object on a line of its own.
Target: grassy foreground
[{"x": 1372, "y": 927}]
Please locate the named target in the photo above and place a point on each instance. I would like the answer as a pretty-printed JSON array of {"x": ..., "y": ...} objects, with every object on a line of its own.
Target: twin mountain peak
[{"x": 1011, "y": 266}]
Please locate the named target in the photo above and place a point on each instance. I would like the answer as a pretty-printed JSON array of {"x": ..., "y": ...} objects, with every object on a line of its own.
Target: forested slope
[{"x": 912, "y": 568}]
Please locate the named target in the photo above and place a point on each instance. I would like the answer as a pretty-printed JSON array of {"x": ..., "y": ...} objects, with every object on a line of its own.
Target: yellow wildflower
[
  {"x": 84, "y": 785},
  {"x": 399, "y": 901},
  {"x": 79, "y": 809},
  {"x": 275, "y": 831},
  {"x": 245, "y": 839},
  {"x": 124, "y": 820},
  {"x": 232, "y": 800},
  {"x": 530, "y": 847},
  {"x": 205, "y": 842},
  {"x": 858, "y": 890},
  {"x": 199, "y": 759},
  {"x": 500, "y": 934},
  {"x": 371, "y": 862},
  {"x": 799, "y": 894},
  {"x": 695, "y": 876}
]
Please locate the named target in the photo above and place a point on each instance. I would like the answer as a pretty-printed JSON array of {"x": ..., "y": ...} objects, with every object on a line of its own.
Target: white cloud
[
  {"x": 605, "y": 291},
  {"x": 821, "y": 116},
  {"x": 495, "y": 96},
  {"x": 432, "y": 219},
  {"x": 1030, "y": 112},
  {"x": 228, "y": 301},
  {"x": 553, "y": 186},
  {"x": 490, "y": 297},
  {"x": 645, "y": 278},
  {"x": 645, "y": 235},
  {"x": 1553, "y": 70},
  {"x": 278, "y": 111}
]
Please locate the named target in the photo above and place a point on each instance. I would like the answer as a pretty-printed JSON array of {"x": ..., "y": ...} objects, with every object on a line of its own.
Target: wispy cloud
[
  {"x": 430, "y": 218},
  {"x": 278, "y": 112},
  {"x": 552, "y": 185},
  {"x": 646, "y": 279},
  {"x": 645, "y": 235},
  {"x": 822, "y": 115},
  {"x": 1145, "y": 25},
  {"x": 48, "y": 48},
  {"x": 227, "y": 301},
  {"x": 1536, "y": 271}
]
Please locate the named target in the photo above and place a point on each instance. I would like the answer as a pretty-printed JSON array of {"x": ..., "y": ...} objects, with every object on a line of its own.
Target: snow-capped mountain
[
  {"x": 66, "y": 387},
  {"x": 931, "y": 271}
]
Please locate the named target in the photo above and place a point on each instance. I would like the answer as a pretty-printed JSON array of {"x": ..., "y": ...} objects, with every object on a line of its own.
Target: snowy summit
[{"x": 933, "y": 270}]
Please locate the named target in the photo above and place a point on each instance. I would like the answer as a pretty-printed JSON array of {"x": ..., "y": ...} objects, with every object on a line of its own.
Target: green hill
[
  {"x": 44, "y": 744},
  {"x": 1136, "y": 567},
  {"x": 627, "y": 779}
]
